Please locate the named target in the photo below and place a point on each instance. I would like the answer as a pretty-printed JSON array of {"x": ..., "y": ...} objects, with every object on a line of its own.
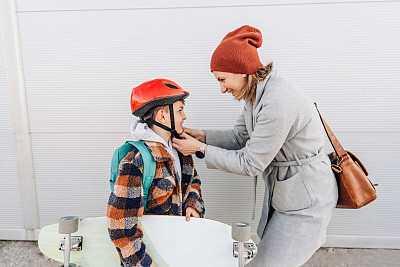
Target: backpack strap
[
  {"x": 118, "y": 155},
  {"x": 149, "y": 168}
]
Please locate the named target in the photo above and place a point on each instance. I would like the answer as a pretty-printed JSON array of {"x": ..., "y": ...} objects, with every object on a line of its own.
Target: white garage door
[{"x": 81, "y": 61}]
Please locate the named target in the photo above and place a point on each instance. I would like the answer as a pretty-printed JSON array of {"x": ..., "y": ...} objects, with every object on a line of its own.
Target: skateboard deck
[{"x": 170, "y": 241}]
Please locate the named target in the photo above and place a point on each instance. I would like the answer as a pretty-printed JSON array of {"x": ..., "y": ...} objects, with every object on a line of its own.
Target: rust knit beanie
[{"x": 237, "y": 52}]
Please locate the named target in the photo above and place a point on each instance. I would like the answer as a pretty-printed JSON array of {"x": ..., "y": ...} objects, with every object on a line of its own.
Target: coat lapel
[
  {"x": 261, "y": 88},
  {"x": 248, "y": 116}
]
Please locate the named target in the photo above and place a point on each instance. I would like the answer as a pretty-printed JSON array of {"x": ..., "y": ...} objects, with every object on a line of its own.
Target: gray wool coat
[{"x": 280, "y": 137}]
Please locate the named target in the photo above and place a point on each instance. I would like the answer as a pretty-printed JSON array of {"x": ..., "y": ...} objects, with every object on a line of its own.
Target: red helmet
[{"x": 157, "y": 92}]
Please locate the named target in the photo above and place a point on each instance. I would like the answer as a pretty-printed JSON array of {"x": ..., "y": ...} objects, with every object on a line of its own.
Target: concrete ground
[{"x": 27, "y": 254}]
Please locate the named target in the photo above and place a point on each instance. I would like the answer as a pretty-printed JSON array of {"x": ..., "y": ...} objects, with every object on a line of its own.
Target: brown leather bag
[{"x": 355, "y": 189}]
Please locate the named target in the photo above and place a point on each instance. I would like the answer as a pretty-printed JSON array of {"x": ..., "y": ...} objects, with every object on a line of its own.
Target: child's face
[{"x": 179, "y": 116}]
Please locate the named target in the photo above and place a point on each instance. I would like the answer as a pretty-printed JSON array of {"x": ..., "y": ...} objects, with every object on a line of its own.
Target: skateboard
[{"x": 170, "y": 241}]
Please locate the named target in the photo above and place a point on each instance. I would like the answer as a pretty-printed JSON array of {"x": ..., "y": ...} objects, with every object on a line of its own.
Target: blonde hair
[{"x": 248, "y": 91}]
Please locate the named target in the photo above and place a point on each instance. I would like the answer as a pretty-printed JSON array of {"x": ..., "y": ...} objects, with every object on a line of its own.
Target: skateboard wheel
[
  {"x": 241, "y": 232},
  {"x": 68, "y": 225}
]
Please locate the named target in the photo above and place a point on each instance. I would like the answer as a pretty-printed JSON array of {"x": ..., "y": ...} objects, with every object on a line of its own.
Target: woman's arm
[
  {"x": 229, "y": 139},
  {"x": 234, "y": 139},
  {"x": 271, "y": 130}
]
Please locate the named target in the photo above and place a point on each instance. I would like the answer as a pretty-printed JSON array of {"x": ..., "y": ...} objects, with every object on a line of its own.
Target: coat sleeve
[
  {"x": 272, "y": 127},
  {"x": 233, "y": 139},
  {"x": 194, "y": 198},
  {"x": 124, "y": 210}
]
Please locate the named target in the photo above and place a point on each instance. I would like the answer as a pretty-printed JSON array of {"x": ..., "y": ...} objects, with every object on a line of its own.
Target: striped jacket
[{"x": 166, "y": 196}]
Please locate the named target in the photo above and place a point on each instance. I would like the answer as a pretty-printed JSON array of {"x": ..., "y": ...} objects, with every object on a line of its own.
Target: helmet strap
[
  {"x": 172, "y": 129},
  {"x": 171, "y": 115}
]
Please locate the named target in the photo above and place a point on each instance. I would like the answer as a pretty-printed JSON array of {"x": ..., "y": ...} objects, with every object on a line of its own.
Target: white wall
[
  {"x": 81, "y": 61},
  {"x": 10, "y": 198}
]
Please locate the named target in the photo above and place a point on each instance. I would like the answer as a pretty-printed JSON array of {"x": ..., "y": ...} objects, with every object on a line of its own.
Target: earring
[{"x": 244, "y": 76}]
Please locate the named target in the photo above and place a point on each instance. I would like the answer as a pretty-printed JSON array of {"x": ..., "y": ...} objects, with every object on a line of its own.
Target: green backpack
[{"x": 149, "y": 165}]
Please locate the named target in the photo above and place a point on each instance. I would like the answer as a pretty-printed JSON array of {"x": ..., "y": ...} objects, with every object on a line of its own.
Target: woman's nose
[{"x": 223, "y": 89}]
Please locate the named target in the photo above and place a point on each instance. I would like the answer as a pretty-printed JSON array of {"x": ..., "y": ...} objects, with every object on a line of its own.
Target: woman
[{"x": 279, "y": 136}]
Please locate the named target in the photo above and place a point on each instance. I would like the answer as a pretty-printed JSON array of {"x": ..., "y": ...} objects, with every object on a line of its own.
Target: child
[{"x": 175, "y": 189}]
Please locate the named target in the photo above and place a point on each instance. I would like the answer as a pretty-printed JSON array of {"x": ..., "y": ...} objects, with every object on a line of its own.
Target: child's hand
[{"x": 191, "y": 212}]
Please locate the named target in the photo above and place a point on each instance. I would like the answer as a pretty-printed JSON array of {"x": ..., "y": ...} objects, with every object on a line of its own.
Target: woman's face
[{"x": 230, "y": 82}]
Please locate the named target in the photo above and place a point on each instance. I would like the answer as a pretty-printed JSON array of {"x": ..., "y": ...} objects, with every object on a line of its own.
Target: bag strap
[
  {"x": 149, "y": 168},
  {"x": 118, "y": 155},
  {"x": 340, "y": 152}
]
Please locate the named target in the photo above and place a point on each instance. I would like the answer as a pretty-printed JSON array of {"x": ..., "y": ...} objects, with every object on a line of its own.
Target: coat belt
[{"x": 297, "y": 162}]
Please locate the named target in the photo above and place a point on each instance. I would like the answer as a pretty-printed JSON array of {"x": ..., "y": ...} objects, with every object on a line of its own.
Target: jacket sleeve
[
  {"x": 124, "y": 210},
  {"x": 233, "y": 139},
  {"x": 194, "y": 198},
  {"x": 272, "y": 127}
]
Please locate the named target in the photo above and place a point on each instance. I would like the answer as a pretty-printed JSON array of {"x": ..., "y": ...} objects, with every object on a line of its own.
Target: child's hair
[
  {"x": 154, "y": 111},
  {"x": 248, "y": 91}
]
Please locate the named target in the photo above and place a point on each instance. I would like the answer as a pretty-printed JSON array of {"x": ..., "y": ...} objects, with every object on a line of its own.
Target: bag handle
[{"x": 340, "y": 152}]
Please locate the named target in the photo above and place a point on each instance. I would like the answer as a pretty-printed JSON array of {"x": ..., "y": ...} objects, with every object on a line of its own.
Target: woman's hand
[
  {"x": 198, "y": 134},
  {"x": 191, "y": 212},
  {"x": 187, "y": 145},
  {"x": 153, "y": 265}
]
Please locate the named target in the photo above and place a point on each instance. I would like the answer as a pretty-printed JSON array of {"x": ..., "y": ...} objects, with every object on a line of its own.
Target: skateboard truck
[
  {"x": 250, "y": 250},
  {"x": 76, "y": 243},
  {"x": 241, "y": 234},
  {"x": 68, "y": 225}
]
